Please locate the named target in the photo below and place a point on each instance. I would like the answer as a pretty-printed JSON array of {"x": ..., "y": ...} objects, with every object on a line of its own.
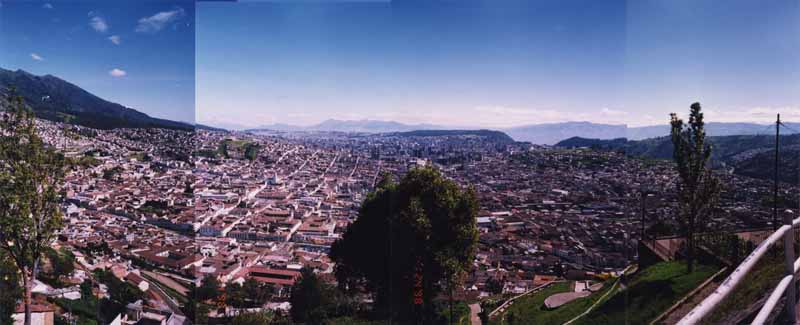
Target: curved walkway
[{"x": 474, "y": 310}]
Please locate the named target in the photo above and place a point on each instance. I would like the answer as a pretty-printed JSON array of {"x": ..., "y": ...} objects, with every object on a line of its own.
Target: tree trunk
[
  {"x": 26, "y": 298},
  {"x": 690, "y": 252},
  {"x": 451, "y": 304}
]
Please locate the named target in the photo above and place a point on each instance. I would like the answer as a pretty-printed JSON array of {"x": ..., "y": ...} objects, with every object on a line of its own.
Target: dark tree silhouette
[
  {"x": 10, "y": 291},
  {"x": 412, "y": 240},
  {"x": 308, "y": 298}
]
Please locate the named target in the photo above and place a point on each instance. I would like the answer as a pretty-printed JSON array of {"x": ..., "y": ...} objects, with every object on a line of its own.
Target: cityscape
[{"x": 337, "y": 187}]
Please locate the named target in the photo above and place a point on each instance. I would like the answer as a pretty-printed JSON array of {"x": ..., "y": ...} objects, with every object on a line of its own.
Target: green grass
[
  {"x": 648, "y": 293},
  {"x": 530, "y": 309},
  {"x": 761, "y": 280}
]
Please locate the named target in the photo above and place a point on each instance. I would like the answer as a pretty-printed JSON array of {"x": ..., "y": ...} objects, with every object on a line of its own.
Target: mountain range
[
  {"x": 749, "y": 155},
  {"x": 355, "y": 126},
  {"x": 58, "y": 100},
  {"x": 547, "y": 134},
  {"x": 54, "y": 99}
]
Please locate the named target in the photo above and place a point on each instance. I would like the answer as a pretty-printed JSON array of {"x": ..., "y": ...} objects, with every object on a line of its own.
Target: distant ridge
[
  {"x": 579, "y": 142},
  {"x": 547, "y": 133},
  {"x": 54, "y": 99},
  {"x": 749, "y": 155},
  {"x": 551, "y": 133},
  {"x": 356, "y": 126},
  {"x": 496, "y": 136}
]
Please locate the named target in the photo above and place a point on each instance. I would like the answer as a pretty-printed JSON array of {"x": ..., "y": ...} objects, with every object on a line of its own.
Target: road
[
  {"x": 172, "y": 284},
  {"x": 474, "y": 310}
]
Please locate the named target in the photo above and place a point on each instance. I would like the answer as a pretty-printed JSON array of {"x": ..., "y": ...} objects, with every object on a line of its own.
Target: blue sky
[
  {"x": 496, "y": 63},
  {"x": 136, "y": 53}
]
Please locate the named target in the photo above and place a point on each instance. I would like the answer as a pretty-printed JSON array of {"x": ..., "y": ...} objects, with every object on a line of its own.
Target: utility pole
[
  {"x": 643, "y": 198},
  {"x": 788, "y": 238},
  {"x": 775, "y": 174}
]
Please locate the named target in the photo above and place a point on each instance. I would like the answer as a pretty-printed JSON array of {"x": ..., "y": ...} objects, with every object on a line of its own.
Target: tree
[
  {"x": 10, "y": 291},
  {"x": 697, "y": 187},
  {"x": 31, "y": 177},
  {"x": 307, "y": 298},
  {"x": 209, "y": 289},
  {"x": 235, "y": 295},
  {"x": 256, "y": 292},
  {"x": 495, "y": 285},
  {"x": 411, "y": 241},
  {"x": 63, "y": 261}
]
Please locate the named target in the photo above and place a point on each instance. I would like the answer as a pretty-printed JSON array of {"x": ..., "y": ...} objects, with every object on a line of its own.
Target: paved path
[
  {"x": 474, "y": 309},
  {"x": 172, "y": 284}
]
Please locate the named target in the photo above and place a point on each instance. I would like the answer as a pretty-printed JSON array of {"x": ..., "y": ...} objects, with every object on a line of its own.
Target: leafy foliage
[
  {"x": 415, "y": 237},
  {"x": 10, "y": 288},
  {"x": 259, "y": 318},
  {"x": 308, "y": 298},
  {"x": 30, "y": 192},
  {"x": 120, "y": 291},
  {"x": 209, "y": 289},
  {"x": 698, "y": 189}
]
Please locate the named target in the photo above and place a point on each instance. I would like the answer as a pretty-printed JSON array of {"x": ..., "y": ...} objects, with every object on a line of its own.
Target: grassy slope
[
  {"x": 649, "y": 293},
  {"x": 530, "y": 309},
  {"x": 758, "y": 283}
]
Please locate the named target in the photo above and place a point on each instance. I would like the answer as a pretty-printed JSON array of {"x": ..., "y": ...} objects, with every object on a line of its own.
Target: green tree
[
  {"x": 235, "y": 295},
  {"x": 209, "y": 289},
  {"x": 10, "y": 291},
  {"x": 308, "y": 298},
  {"x": 494, "y": 285},
  {"x": 697, "y": 187},
  {"x": 63, "y": 262},
  {"x": 256, "y": 292},
  {"x": 251, "y": 151},
  {"x": 411, "y": 241},
  {"x": 31, "y": 177}
]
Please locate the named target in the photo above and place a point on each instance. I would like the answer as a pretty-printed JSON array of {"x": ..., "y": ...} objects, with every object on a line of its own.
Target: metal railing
[{"x": 785, "y": 286}]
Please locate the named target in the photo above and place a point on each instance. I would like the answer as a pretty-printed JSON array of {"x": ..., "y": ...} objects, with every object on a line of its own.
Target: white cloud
[
  {"x": 36, "y": 57},
  {"x": 47, "y": 6},
  {"x": 98, "y": 23},
  {"x": 115, "y": 39},
  {"x": 753, "y": 114},
  {"x": 158, "y": 21},
  {"x": 605, "y": 111},
  {"x": 117, "y": 73}
]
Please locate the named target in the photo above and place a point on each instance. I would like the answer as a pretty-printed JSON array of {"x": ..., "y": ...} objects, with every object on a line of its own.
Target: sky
[
  {"x": 140, "y": 54},
  {"x": 496, "y": 63}
]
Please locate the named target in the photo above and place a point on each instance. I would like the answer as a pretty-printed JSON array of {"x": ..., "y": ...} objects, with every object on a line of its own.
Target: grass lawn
[
  {"x": 761, "y": 280},
  {"x": 530, "y": 309},
  {"x": 648, "y": 293}
]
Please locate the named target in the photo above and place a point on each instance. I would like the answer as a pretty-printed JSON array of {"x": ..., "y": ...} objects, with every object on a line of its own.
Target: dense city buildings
[{"x": 165, "y": 211}]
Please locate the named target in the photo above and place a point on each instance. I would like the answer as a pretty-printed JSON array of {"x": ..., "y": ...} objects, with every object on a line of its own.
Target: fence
[{"x": 785, "y": 286}]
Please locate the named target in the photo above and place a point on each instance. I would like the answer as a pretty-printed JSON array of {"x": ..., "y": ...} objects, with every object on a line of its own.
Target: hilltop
[
  {"x": 55, "y": 99},
  {"x": 491, "y": 135}
]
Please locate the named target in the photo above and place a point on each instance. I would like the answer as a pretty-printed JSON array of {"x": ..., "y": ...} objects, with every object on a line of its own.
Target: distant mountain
[
  {"x": 492, "y": 135},
  {"x": 552, "y": 133},
  {"x": 209, "y": 128},
  {"x": 749, "y": 155},
  {"x": 355, "y": 126},
  {"x": 54, "y": 99},
  {"x": 713, "y": 129},
  {"x": 549, "y": 133},
  {"x": 578, "y": 142}
]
